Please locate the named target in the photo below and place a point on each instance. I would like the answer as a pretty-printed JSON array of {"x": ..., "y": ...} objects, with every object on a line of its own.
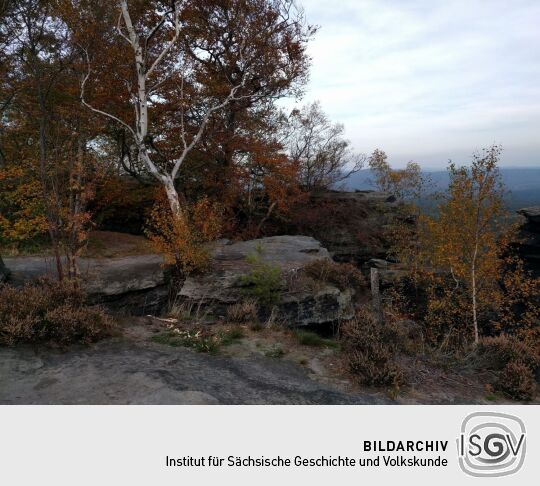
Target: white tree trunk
[
  {"x": 172, "y": 197},
  {"x": 474, "y": 305}
]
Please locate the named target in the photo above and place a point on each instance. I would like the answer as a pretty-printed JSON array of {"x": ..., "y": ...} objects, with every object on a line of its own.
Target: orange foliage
[
  {"x": 182, "y": 239},
  {"x": 459, "y": 257},
  {"x": 22, "y": 216},
  {"x": 405, "y": 184}
]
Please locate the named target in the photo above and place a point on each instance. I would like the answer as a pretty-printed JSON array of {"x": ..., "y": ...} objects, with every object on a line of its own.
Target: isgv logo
[{"x": 491, "y": 444}]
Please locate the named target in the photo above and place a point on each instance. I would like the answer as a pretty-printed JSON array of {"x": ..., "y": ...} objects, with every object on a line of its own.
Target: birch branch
[{"x": 96, "y": 110}]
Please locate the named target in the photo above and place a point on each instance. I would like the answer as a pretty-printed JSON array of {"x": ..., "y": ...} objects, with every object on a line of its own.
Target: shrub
[
  {"x": 497, "y": 352},
  {"x": 275, "y": 352},
  {"x": 342, "y": 275},
  {"x": 230, "y": 336},
  {"x": 263, "y": 283},
  {"x": 517, "y": 381},
  {"x": 370, "y": 351},
  {"x": 182, "y": 241},
  {"x": 49, "y": 312},
  {"x": 243, "y": 312}
]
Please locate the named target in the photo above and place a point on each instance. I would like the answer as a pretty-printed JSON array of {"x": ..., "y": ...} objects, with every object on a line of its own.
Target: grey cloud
[{"x": 424, "y": 78}]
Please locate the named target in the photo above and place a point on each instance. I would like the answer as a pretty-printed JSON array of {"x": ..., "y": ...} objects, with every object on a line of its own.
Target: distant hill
[{"x": 523, "y": 184}]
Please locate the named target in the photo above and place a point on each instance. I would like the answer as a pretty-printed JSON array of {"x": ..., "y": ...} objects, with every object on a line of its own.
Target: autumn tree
[
  {"x": 467, "y": 233},
  {"x": 318, "y": 146},
  {"x": 240, "y": 160},
  {"x": 408, "y": 184},
  {"x": 170, "y": 91},
  {"x": 50, "y": 138},
  {"x": 35, "y": 54},
  {"x": 471, "y": 283}
]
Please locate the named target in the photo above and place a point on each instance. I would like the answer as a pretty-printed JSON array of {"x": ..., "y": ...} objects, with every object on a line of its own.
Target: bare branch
[
  {"x": 119, "y": 29},
  {"x": 231, "y": 96},
  {"x": 169, "y": 45},
  {"x": 96, "y": 110}
]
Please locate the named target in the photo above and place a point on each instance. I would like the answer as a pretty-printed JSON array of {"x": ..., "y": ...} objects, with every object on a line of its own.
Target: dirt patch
[
  {"x": 110, "y": 244},
  {"x": 101, "y": 244}
]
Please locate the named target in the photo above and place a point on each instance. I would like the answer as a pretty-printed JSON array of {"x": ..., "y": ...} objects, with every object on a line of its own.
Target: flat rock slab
[
  {"x": 127, "y": 285},
  {"x": 108, "y": 277},
  {"x": 122, "y": 371}
]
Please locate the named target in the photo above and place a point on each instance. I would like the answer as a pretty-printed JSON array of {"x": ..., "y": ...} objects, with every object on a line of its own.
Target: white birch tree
[{"x": 147, "y": 81}]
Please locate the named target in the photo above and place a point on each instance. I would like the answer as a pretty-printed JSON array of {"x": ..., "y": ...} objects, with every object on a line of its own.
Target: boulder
[
  {"x": 223, "y": 285},
  {"x": 135, "y": 284}
]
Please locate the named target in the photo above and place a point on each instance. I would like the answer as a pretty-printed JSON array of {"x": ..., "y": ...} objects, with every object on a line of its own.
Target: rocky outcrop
[
  {"x": 351, "y": 225},
  {"x": 223, "y": 285},
  {"x": 135, "y": 284},
  {"x": 4, "y": 273},
  {"x": 529, "y": 245}
]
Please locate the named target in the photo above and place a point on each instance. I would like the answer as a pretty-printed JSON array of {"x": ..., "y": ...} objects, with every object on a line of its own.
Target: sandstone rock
[
  {"x": 532, "y": 214},
  {"x": 328, "y": 304},
  {"x": 222, "y": 285},
  {"x": 4, "y": 273},
  {"x": 377, "y": 263},
  {"x": 135, "y": 283},
  {"x": 351, "y": 225}
]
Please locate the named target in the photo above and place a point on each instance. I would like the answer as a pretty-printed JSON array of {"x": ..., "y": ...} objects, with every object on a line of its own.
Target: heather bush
[
  {"x": 516, "y": 381},
  {"x": 370, "y": 351},
  {"x": 497, "y": 352},
  {"x": 342, "y": 275},
  {"x": 51, "y": 313}
]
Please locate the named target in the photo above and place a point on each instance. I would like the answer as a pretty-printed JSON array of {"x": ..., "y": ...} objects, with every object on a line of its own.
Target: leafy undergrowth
[{"x": 243, "y": 337}]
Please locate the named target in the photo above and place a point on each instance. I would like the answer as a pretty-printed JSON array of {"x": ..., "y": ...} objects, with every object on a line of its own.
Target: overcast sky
[{"x": 430, "y": 80}]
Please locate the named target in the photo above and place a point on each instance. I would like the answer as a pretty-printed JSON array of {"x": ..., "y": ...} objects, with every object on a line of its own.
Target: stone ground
[{"x": 134, "y": 370}]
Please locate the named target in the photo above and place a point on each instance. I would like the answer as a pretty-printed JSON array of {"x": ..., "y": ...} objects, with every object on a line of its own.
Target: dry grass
[{"x": 243, "y": 312}]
